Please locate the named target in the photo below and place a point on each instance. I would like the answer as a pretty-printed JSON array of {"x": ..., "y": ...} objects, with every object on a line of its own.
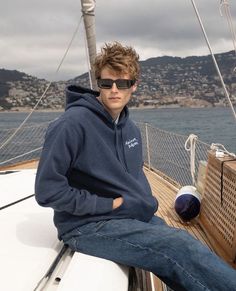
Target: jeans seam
[{"x": 153, "y": 251}]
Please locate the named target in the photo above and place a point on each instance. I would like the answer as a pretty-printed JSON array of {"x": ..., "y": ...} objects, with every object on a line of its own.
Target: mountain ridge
[{"x": 164, "y": 81}]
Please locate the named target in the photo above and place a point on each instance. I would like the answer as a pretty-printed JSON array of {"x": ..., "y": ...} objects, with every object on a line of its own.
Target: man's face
[{"x": 114, "y": 99}]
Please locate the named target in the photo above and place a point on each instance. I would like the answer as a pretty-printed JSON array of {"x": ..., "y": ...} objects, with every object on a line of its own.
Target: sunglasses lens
[
  {"x": 120, "y": 83},
  {"x": 105, "y": 83},
  {"x": 123, "y": 84}
]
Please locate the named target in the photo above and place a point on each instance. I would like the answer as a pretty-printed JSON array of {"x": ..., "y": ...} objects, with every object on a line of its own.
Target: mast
[{"x": 88, "y": 11}]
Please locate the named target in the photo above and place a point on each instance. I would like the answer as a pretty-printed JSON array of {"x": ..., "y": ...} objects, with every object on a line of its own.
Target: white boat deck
[
  {"x": 16, "y": 185},
  {"x": 29, "y": 242},
  {"x": 29, "y": 246}
]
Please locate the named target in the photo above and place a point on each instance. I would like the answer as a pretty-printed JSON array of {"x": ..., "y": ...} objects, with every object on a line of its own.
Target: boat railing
[
  {"x": 21, "y": 145},
  {"x": 165, "y": 152},
  {"x": 162, "y": 150}
]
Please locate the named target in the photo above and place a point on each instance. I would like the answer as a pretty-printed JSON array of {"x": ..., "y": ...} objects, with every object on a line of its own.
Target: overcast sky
[{"x": 34, "y": 34}]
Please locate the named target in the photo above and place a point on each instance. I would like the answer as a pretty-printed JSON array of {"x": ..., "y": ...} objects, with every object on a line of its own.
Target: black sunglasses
[{"x": 120, "y": 83}]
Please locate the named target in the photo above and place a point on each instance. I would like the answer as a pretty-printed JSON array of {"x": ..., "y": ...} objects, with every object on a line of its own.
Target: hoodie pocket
[
  {"x": 137, "y": 208},
  {"x": 127, "y": 209}
]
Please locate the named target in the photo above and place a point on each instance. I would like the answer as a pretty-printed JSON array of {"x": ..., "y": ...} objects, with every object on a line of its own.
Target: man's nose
[{"x": 114, "y": 87}]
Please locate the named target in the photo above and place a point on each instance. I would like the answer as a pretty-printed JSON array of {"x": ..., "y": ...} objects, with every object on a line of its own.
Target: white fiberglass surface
[
  {"x": 89, "y": 273},
  {"x": 15, "y": 185},
  {"x": 29, "y": 241}
]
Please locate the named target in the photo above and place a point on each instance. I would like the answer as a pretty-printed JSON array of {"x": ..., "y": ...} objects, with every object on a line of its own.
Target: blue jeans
[{"x": 173, "y": 255}]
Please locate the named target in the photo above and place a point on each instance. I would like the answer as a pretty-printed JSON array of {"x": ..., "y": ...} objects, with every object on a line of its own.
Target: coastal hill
[{"x": 164, "y": 82}]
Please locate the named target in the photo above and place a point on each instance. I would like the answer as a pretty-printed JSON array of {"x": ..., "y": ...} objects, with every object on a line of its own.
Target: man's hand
[{"x": 117, "y": 202}]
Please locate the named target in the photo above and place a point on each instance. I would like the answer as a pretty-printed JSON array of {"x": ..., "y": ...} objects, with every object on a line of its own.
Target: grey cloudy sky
[{"x": 34, "y": 34}]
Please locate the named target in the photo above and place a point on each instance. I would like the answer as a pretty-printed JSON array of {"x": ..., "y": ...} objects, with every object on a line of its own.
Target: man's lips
[{"x": 114, "y": 98}]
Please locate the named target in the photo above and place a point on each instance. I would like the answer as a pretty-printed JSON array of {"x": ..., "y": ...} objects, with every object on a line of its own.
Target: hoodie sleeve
[{"x": 62, "y": 144}]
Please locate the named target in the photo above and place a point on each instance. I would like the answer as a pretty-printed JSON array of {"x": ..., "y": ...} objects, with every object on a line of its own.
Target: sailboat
[{"x": 32, "y": 258}]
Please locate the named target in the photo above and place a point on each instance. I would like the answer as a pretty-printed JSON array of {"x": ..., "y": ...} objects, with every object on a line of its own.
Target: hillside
[{"x": 164, "y": 81}]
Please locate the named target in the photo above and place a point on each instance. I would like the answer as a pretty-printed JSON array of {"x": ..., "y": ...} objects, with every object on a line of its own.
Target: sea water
[{"x": 211, "y": 125}]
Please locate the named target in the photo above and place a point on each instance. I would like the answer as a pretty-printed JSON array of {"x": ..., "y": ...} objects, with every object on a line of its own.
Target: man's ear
[{"x": 134, "y": 87}]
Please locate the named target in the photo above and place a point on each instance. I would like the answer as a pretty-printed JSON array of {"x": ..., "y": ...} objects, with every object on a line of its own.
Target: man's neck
[
  {"x": 113, "y": 114},
  {"x": 116, "y": 120}
]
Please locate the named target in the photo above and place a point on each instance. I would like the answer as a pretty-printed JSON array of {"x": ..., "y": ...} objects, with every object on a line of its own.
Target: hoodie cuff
[{"x": 103, "y": 205}]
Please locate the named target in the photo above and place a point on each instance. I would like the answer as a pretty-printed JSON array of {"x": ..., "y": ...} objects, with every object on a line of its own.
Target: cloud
[{"x": 35, "y": 34}]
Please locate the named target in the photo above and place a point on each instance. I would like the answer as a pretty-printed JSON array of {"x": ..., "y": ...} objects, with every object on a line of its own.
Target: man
[{"x": 91, "y": 174}]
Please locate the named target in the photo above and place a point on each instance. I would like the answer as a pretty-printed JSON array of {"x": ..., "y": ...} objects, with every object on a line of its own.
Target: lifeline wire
[{"x": 214, "y": 59}]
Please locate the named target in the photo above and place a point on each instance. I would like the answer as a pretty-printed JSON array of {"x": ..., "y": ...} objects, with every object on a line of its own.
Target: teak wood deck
[{"x": 165, "y": 192}]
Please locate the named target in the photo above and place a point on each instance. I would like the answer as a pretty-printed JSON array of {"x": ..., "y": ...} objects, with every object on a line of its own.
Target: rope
[
  {"x": 221, "y": 150},
  {"x": 214, "y": 59},
  {"x": 190, "y": 146},
  {"x": 225, "y": 4}
]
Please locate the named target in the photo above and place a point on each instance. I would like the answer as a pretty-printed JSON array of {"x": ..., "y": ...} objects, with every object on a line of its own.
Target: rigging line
[
  {"x": 29, "y": 126},
  {"x": 20, "y": 156},
  {"x": 27, "y": 117},
  {"x": 48, "y": 86},
  {"x": 213, "y": 57},
  {"x": 225, "y": 5},
  {"x": 69, "y": 45}
]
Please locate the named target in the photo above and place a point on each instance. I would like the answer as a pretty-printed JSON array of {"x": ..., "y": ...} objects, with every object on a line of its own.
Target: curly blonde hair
[{"x": 118, "y": 58}]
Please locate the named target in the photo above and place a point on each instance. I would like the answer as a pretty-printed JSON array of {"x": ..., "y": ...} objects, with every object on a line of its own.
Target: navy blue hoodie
[{"x": 87, "y": 161}]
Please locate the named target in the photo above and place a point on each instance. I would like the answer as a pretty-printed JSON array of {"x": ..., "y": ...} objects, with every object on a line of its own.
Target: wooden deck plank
[
  {"x": 32, "y": 164},
  {"x": 165, "y": 193},
  {"x": 166, "y": 210}
]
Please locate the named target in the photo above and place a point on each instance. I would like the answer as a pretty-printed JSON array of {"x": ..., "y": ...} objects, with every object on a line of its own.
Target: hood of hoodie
[{"x": 80, "y": 96}]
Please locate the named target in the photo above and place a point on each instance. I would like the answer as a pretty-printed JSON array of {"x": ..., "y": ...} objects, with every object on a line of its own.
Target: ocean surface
[{"x": 211, "y": 125}]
